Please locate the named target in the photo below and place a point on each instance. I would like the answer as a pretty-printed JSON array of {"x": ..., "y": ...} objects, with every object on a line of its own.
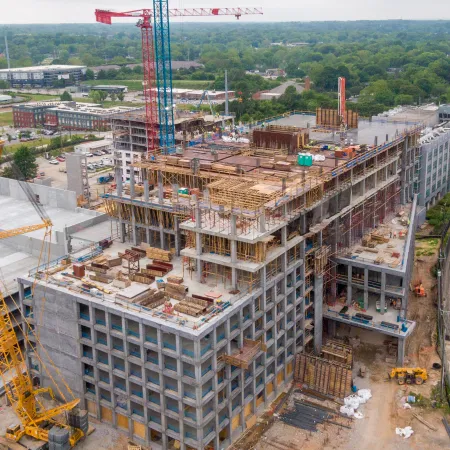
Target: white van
[{"x": 107, "y": 162}]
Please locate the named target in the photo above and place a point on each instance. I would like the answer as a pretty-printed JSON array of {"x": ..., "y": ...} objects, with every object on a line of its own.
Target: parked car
[
  {"x": 54, "y": 161},
  {"x": 98, "y": 153},
  {"x": 89, "y": 155},
  {"x": 61, "y": 158}
]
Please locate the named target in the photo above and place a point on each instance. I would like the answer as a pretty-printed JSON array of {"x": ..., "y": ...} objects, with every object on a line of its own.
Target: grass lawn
[
  {"x": 136, "y": 85},
  {"x": 35, "y": 143},
  {"x": 6, "y": 118},
  {"x": 192, "y": 84},
  {"x": 109, "y": 103},
  {"x": 38, "y": 97}
]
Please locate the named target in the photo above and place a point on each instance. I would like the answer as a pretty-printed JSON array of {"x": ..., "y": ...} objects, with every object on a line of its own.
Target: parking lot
[{"x": 59, "y": 178}]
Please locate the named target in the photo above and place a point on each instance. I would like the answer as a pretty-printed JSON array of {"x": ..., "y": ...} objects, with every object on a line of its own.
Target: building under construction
[{"x": 230, "y": 260}]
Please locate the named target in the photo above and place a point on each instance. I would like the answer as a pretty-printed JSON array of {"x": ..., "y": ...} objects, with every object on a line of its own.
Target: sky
[{"x": 82, "y": 11}]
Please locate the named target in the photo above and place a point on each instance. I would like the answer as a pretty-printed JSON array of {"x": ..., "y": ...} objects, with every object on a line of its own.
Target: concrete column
[
  {"x": 198, "y": 217},
  {"x": 400, "y": 352},
  {"x": 146, "y": 191},
  {"x": 162, "y": 236},
  {"x": 234, "y": 278},
  {"x": 233, "y": 245},
  {"x": 233, "y": 225},
  {"x": 132, "y": 193},
  {"x": 366, "y": 288},
  {"x": 383, "y": 290},
  {"x": 119, "y": 182},
  {"x": 147, "y": 235},
  {"x": 262, "y": 222},
  {"x": 176, "y": 226},
  {"x": 318, "y": 313},
  {"x": 284, "y": 236},
  {"x": 349, "y": 285}
]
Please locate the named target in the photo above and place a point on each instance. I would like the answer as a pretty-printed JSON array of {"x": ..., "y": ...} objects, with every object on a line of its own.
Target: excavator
[
  {"x": 419, "y": 290},
  {"x": 35, "y": 419}
]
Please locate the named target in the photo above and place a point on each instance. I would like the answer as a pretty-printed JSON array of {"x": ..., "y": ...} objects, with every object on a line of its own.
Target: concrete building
[
  {"x": 266, "y": 246},
  {"x": 42, "y": 76},
  {"x": 433, "y": 167},
  {"x": 444, "y": 113},
  {"x": 5, "y": 98},
  {"x": 130, "y": 135},
  {"x": 109, "y": 88}
]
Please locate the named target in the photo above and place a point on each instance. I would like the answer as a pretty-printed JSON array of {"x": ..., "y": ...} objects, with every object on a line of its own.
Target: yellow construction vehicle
[
  {"x": 408, "y": 375},
  {"x": 36, "y": 420}
]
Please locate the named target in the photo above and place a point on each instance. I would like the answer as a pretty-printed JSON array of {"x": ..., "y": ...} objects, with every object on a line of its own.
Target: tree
[
  {"x": 25, "y": 162},
  {"x": 7, "y": 172},
  {"x": 120, "y": 96},
  {"x": 89, "y": 74},
  {"x": 66, "y": 97},
  {"x": 102, "y": 95},
  {"x": 95, "y": 96},
  {"x": 113, "y": 96}
]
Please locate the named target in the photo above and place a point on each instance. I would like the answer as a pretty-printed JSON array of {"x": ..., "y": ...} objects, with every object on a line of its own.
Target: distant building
[
  {"x": 275, "y": 73},
  {"x": 42, "y": 76},
  {"x": 31, "y": 115},
  {"x": 67, "y": 115},
  {"x": 109, "y": 88},
  {"x": 444, "y": 112},
  {"x": 433, "y": 167},
  {"x": 5, "y": 98}
]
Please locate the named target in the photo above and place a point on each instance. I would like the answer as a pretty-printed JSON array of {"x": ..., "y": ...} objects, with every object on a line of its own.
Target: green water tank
[{"x": 308, "y": 160}]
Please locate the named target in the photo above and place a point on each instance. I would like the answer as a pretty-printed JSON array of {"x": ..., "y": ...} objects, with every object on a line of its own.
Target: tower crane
[
  {"x": 156, "y": 60},
  {"x": 22, "y": 395}
]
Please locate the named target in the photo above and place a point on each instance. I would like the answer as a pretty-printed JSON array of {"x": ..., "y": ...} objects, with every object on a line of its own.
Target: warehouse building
[
  {"x": 42, "y": 76},
  {"x": 229, "y": 261}
]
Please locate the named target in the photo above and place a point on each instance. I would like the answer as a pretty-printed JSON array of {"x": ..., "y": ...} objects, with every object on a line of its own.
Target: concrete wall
[
  {"x": 57, "y": 198},
  {"x": 54, "y": 314}
]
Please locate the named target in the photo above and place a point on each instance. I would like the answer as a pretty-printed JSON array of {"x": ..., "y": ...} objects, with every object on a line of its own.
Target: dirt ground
[
  {"x": 420, "y": 347},
  {"x": 382, "y": 414}
]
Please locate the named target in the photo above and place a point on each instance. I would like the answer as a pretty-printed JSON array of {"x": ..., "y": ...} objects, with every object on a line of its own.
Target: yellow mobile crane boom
[{"x": 21, "y": 394}]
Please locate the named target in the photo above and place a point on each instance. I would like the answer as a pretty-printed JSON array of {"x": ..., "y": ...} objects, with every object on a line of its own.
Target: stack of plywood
[
  {"x": 114, "y": 262},
  {"x": 102, "y": 278},
  {"x": 141, "y": 277},
  {"x": 158, "y": 253}
]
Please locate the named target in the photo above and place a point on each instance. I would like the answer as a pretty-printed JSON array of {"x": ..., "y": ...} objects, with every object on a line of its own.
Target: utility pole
[
  {"x": 226, "y": 92},
  {"x": 7, "y": 52}
]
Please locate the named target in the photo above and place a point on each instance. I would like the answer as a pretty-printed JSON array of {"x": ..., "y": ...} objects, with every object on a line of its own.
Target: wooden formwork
[
  {"x": 337, "y": 351},
  {"x": 324, "y": 376}
]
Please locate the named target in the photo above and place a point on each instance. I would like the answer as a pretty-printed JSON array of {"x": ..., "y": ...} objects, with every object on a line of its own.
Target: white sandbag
[
  {"x": 319, "y": 158},
  {"x": 358, "y": 415},
  {"x": 347, "y": 410},
  {"x": 353, "y": 401},
  {"x": 405, "y": 432},
  {"x": 406, "y": 406},
  {"x": 364, "y": 394}
]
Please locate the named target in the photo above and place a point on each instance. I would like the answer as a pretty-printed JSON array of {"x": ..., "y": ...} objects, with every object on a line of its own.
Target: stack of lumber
[
  {"x": 153, "y": 299},
  {"x": 176, "y": 291},
  {"x": 174, "y": 279},
  {"x": 121, "y": 281},
  {"x": 379, "y": 238},
  {"x": 192, "y": 306},
  {"x": 98, "y": 268},
  {"x": 141, "y": 277},
  {"x": 139, "y": 250},
  {"x": 157, "y": 269},
  {"x": 113, "y": 262},
  {"x": 282, "y": 165},
  {"x": 102, "y": 278},
  {"x": 159, "y": 254}
]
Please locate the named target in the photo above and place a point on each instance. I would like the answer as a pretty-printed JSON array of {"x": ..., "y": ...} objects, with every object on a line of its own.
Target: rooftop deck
[{"x": 222, "y": 301}]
